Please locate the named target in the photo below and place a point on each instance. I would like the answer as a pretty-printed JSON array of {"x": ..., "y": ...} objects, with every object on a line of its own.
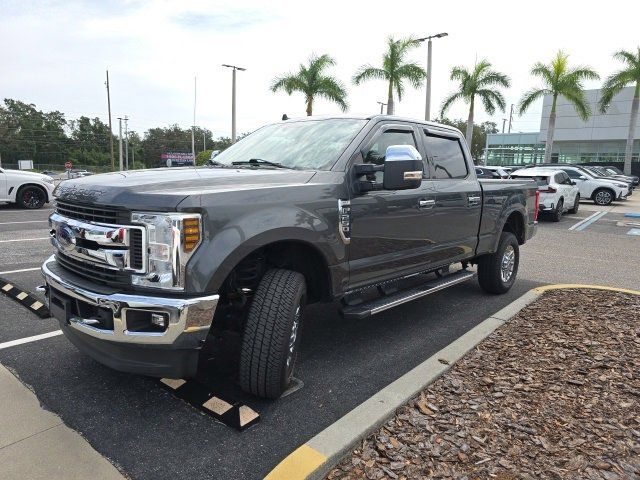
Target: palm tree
[
  {"x": 394, "y": 70},
  {"x": 559, "y": 79},
  {"x": 312, "y": 81},
  {"x": 477, "y": 83},
  {"x": 612, "y": 86}
]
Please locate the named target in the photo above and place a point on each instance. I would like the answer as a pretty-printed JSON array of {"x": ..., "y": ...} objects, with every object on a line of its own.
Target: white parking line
[
  {"x": 28, "y": 221},
  {"x": 25, "y": 239},
  {"x": 21, "y": 270},
  {"x": 584, "y": 220},
  {"x": 35, "y": 338}
]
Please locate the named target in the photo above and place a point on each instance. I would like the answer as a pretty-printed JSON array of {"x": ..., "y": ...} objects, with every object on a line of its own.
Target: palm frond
[
  {"x": 412, "y": 72},
  {"x": 333, "y": 90},
  {"x": 491, "y": 99},
  {"x": 579, "y": 102},
  {"x": 459, "y": 73},
  {"x": 289, "y": 83},
  {"x": 450, "y": 100},
  {"x": 530, "y": 97},
  {"x": 493, "y": 78},
  {"x": 367, "y": 72},
  {"x": 627, "y": 57},
  {"x": 612, "y": 86}
]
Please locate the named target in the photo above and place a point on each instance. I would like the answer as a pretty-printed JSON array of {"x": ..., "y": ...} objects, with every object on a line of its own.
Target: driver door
[{"x": 389, "y": 228}]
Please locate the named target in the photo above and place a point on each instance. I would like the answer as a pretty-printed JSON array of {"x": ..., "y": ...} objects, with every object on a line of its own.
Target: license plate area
[{"x": 65, "y": 308}]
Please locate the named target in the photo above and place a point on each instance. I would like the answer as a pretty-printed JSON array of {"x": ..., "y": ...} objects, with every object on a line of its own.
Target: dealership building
[{"x": 601, "y": 139}]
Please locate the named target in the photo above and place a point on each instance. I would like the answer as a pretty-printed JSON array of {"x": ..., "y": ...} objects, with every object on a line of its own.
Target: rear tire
[
  {"x": 603, "y": 196},
  {"x": 31, "y": 197},
  {"x": 271, "y": 334},
  {"x": 576, "y": 204},
  {"x": 497, "y": 271},
  {"x": 557, "y": 213}
]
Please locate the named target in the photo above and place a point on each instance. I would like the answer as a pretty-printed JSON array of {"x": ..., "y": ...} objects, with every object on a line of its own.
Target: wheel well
[
  {"x": 40, "y": 187},
  {"x": 515, "y": 225},
  {"x": 291, "y": 255},
  {"x": 603, "y": 188}
]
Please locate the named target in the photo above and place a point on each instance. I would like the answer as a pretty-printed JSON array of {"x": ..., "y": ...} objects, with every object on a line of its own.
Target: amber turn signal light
[{"x": 190, "y": 234}]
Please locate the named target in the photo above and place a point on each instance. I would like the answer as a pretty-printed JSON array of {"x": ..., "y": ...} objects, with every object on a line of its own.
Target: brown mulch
[{"x": 554, "y": 393}]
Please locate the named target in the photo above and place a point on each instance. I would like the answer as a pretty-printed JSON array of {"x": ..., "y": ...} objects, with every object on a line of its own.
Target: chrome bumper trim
[{"x": 186, "y": 315}]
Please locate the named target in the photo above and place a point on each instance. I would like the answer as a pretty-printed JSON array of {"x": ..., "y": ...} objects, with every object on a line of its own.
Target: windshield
[{"x": 307, "y": 145}]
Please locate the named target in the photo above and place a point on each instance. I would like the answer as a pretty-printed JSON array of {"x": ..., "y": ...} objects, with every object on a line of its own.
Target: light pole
[
  {"x": 427, "y": 108},
  {"x": 233, "y": 99},
  {"x": 382, "y": 105},
  {"x": 120, "y": 142}
]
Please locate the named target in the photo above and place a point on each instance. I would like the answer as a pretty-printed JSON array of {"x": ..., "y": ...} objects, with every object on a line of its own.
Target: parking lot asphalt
[{"x": 149, "y": 434}]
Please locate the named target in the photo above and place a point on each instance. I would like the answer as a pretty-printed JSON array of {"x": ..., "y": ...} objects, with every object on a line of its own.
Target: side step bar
[{"x": 364, "y": 310}]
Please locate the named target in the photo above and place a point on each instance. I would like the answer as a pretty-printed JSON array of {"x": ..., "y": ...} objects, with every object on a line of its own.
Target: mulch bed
[{"x": 554, "y": 393}]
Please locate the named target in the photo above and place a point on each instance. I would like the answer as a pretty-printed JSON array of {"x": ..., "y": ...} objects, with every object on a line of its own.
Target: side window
[
  {"x": 447, "y": 157},
  {"x": 378, "y": 149},
  {"x": 572, "y": 173}
]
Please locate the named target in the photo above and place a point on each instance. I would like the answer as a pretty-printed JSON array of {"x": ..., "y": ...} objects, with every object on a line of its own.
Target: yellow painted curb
[
  {"x": 298, "y": 465},
  {"x": 560, "y": 286}
]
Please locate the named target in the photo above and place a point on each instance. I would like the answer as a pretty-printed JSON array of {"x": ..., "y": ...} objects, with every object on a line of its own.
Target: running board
[{"x": 364, "y": 310}]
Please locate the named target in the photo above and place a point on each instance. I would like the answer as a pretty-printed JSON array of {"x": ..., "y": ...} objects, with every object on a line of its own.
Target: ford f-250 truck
[{"x": 151, "y": 265}]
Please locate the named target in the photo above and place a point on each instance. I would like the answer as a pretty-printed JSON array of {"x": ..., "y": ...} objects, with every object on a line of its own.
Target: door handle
[
  {"x": 473, "y": 201},
  {"x": 426, "y": 203}
]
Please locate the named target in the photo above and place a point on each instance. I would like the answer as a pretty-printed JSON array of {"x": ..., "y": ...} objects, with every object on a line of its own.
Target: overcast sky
[{"x": 55, "y": 53}]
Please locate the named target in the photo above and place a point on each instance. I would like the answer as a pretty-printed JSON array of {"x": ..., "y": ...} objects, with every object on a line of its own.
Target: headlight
[
  {"x": 47, "y": 179},
  {"x": 171, "y": 240}
]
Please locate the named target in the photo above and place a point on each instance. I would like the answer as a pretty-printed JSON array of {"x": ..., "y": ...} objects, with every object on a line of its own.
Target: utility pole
[
  {"x": 113, "y": 165},
  {"x": 126, "y": 142},
  {"x": 193, "y": 127},
  {"x": 510, "y": 117},
  {"x": 382, "y": 105},
  {"x": 504, "y": 120},
  {"x": 233, "y": 99},
  {"x": 120, "y": 142},
  {"x": 427, "y": 106},
  {"x": 133, "y": 157}
]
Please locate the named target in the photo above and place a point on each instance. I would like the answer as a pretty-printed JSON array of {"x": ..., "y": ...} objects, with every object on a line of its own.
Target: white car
[
  {"x": 601, "y": 190},
  {"x": 26, "y": 189},
  {"x": 558, "y": 193}
]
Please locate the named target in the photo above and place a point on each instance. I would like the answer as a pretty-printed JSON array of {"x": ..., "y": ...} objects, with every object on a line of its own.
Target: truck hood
[{"x": 165, "y": 188}]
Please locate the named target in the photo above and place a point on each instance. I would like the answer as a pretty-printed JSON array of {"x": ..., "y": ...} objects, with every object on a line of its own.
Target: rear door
[
  {"x": 391, "y": 233},
  {"x": 458, "y": 208},
  {"x": 3, "y": 185}
]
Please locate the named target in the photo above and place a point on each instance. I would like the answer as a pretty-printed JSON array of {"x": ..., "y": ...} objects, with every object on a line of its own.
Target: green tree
[
  {"x": 630, "y": 74},
  {"x": 395, "y": 70},
  {"x": 480, "y": 132},
  {"x": 559, "y": 79},
  {"x": 312, "y": 81},
  {"x": 480, "y": 82}
]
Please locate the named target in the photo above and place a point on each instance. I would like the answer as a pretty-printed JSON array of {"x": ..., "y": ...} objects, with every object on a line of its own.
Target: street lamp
[
  {"x": 382, "y": 105},
  {"x": 233, "y": 99},
  {"x": 427, "y": 108}
]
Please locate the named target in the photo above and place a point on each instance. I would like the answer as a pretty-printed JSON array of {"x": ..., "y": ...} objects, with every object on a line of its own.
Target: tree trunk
[
  {"x": 548, "y": 146},
  {"x": 469, "y": 135},
  {"x": 390, "y": 105},
  {"x": 309, "y": 106},
  {"x": 628, "y": 153}
]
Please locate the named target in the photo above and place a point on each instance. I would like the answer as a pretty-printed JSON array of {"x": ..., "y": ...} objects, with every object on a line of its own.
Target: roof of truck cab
[{"x": 372, "y": 117}]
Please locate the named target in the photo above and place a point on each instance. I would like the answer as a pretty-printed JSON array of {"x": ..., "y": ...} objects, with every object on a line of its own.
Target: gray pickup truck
[{"x": 151, "y": 266}]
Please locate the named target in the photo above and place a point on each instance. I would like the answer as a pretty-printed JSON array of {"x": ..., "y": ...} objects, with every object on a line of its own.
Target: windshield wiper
[
  {"x": 213, "y": 163},
  {"x": 258, "y": 161}
]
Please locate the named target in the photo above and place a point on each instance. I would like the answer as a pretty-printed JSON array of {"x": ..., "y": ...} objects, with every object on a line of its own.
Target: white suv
[
  {"x": 601, "y": 190},
  {"x": 558, "y": 193},
  {"x": 27, "y": 189}
]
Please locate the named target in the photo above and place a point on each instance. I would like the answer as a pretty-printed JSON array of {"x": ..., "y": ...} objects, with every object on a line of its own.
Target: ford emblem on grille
[{"x": 66, "y": 237}]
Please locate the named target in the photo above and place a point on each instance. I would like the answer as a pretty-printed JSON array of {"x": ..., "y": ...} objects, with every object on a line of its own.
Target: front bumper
[{"x": 171, "y": 353}]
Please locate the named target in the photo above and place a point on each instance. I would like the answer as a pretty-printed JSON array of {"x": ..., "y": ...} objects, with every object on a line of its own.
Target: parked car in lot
[
  {"x": 503, "y": 172},
  {"x": 601, "y": 172},
  {"x": 79, "y": 173},
  {"x": 482, "y": 172},
  {"x": 558, "y": 193},
  {"x": 26, "y": 189},
  {"x": 150, "y": 265},
  {"x": 601, "y": 190},
  {"x": 616, "y": 171}
]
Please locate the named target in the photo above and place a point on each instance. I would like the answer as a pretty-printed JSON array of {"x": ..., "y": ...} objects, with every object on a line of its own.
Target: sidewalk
[{"x": 35, "y": 444}]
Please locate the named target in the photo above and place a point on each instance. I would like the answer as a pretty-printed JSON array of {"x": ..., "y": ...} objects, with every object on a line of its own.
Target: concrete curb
[{"x": 316, "y": 457}]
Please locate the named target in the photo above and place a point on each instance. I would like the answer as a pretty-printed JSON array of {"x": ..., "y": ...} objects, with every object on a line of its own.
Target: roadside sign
[{"x": 68, "y": 165}]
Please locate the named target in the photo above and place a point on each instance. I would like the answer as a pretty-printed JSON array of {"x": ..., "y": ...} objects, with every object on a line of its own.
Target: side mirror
[
  {"x": 214, "y": 154},
  {"x": 582, "y": 177},
  {"x": 403, "y": 168}
]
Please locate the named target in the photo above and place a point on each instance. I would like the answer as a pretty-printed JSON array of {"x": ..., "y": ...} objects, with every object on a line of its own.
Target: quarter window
[{"x": 446, "y": 156}]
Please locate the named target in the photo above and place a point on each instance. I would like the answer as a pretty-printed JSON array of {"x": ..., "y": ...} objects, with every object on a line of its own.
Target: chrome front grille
[
  {"x": 92, "y": 213},
  {"x": 105, "y": 253}
]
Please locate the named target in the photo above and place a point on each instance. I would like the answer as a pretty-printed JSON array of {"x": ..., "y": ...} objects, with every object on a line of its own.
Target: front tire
[
  {"x": 31, "y": 198},
  {"x": 271, "y": 334},
  {"x": 603, "y": 196},
  {"x": 497, "y": 271},
  {"x": 576, "y": 204}
]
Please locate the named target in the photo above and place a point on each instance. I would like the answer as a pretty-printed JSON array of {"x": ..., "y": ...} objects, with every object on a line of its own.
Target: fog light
[{"x": 159, "y": 320}]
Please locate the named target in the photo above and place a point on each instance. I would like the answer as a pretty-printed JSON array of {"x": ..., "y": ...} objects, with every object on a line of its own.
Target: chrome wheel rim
[
  {"x": 293, "y": 336},
  {"x": 508, "y": 263},
  {"x": 603, "y": 198}
]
